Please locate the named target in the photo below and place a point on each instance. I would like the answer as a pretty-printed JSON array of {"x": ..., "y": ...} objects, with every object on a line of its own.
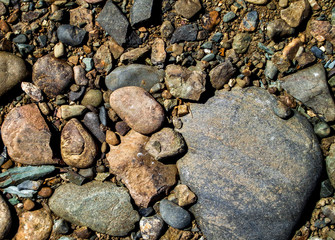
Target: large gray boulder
[
  {"x": 101, "y": 206},
  {"x": 252, "y": 171}
]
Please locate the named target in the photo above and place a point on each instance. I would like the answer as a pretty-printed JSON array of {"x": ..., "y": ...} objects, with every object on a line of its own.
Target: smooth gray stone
[
  {"x": 91, "y": 121},
  {"x": 310, "y": 87},
  {"x": 134, "y": 75},
  {"x": 114, "y": 22},
  {"x": 141, "y": 11},
  {"x": 174, "y": 215},
  {"x": 70, "y": 35},
  {"x": 101, "y": 206},
  {"x": 251, "y": 170}
]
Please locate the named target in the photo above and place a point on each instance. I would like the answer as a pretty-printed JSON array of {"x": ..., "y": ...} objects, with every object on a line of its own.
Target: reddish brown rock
[
  {"x": 221, "y": 74},
  {"x": 138, "y": 109},
  {"x": 146, "y": 178},
  {"x": 291, "y": 49},
  {"x": 112, "y": 138},
  {"x": 52, "y": 75},
  {"x": 82, "y": 15},
  {"x": 35, "y": 225},
  {"x": 322, "y": 30},
  {"x": 27, "y": 136},
  {"x": 210, "y": 20},
  {"x": 77, "y": 145}
]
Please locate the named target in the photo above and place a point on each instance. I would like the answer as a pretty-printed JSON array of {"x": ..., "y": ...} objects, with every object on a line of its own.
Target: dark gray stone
[
  {"x": 310, "y": 87},
  {"x": 141, "y": 11},
  {"x": 134, "y": 75},
  {"x": 21, "y": 38},
  {"x": 101, "y": 206},
  {"x": 185, "y": 33},
  {"x": 114, "y": 22},
  {"x": 174, "y": 215},
  {"x": 70, "y": 35},
  {"x": 91, "y": 121},
  {"x": 252, "y": 171}
]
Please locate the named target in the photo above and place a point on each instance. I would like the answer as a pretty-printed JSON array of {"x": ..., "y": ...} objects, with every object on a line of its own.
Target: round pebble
[
  {"x": 92, "y": 97},
  {"x": 174, "y": 215},
  {"x": 45, "y": 192}
]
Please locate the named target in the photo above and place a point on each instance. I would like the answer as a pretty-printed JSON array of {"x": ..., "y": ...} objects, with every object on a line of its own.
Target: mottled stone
[
  {"x": 35, "y": 225},
  {"x": 278, "y": 29},
  {"x": 52, "y": 75},
  {"x": 158, "y": 54},
  {"x": 296, "y": 13},
  {"x": 79, "y": 76},
  {"x": 71, "y": 35},
  {"x": 250, "y": 21},
  {"x": 82, "y": 15},
  {"x": 151, "y": 227},
  {"x": 141, "y": 11},
  {"x": 113, "y": 22},
  {"x": 107, "y": 207},
  {"x": 134, "y": 75},
  {"x": 291, "y": 49},
  {"x": 221, "y": 74},
  {"x": 184, "y": 195},
  {"x": 27, "y": 136},
  {"x": 187, "y": 8},
  {"x": 138, "y": 109},
  {"x": 310, "y": 87},
  {"x": 32, "y": 91},
  {"x": 146, "y": 179},
  {"x": 92, "y": 97},
  {"x": 166, "y": 143},
  {"x": 230, "y": 140},
  {"x": 103, "y": 60},
  {"x": 184, "y": 83},
  {"x": 69, "y": 111},
  {"x": 77, "y": 146},
  {"x": 185, "y": 33},
  {"x": 135, "y": 54},
  {"x": 12, "y": 71},
  {"x": 5, "y": 218},
  {"x": 241, "y": 42},
  {"x": 322, "y": 30}
]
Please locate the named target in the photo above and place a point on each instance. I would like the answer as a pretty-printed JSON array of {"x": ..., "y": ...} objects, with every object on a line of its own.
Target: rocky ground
[{"x": 172, "y": 119}]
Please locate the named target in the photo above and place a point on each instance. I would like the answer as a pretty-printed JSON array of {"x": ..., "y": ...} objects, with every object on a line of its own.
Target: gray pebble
[
  {"x": 208, "y": 57},
  {"x": 185, "y": 33},
  {"x": 228, "y": 16},
  {"x": 88, "y": 64},
  {"x": 270, "y": 70},
  {"x": 74, "y": 96},
  {"x": 174, "y": 215},
  {"x": 91, "y": 121},
  {"x": 21, "y": 38},
  {"x": 103, "y": 115},
  {"x": 322, "y": 129},
  {"x": 70, "y": 35},
  {"x": 61, "y": 226}
]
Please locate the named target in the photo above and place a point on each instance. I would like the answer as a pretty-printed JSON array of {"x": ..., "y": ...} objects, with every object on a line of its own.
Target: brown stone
[
  {"x": 221, "y": 74},
  {"x": 296, "y": 13},
  {"x": 28, "y": 204},
  {"x": 187, "y": 8},
  {"x": 135, "y": 54},
  {"x": 52, "y": 75},
  {"x": 32, "y": 91},
  {"x": 4, "y": 27},
  {"x": 5, "y": 218},
  {"x": 291, "y": 49},
  {"x": 112, "y": 138},
  {"x": 184, "y": 195},
  {"x": 83, "y": 232},
  {"x": 146, "y": 178},
  {"x": 122, "y": 128},
  {"x": 138, "y": 109},
  {"x": 79, "y": 76},
  {"x": 27, "y": 136},
  {"x": 82, "y": 15},
  {"x": 45, "y": 192},
  {"x": 77, "y": 145},
  {"x": 115, "y": 48},
  {"x": 210, "y": 20},
  {"x": 35, "y": 225},
  {"x": 158, "y": 54},
  {"x": 103, "y": 60}
]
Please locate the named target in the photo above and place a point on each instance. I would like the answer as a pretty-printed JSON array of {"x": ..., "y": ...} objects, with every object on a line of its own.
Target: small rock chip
[
  {"x": 45, "y": 192},
  {"x": 305, "y": 59},
  {"x": 185, "y": 33},
  {"x": 250, "y": 21},
  {"x": 146, "y": 178},
  {"x": 310, "y": 86},
  {"x": 92, "y": 97},
  {"x": 184, "y": 83},
  {"x": 141, "y": 11},
  {"x": 107, "y": 207},
  {"x": 32, "y": 91},
  {"x": 165, "y": 144},
  {"x": 79, "y": 76},
  {"x": 221, "y": 74},
  {"x": 61, "y": 226},
  {"x": 174, "y": 215},
  {"x": 91, "y": 121},
  {"x": 151, "y": 227},
  {"x": 187, "y": 8},
  {"x": 134, "y": 75},
  {"x": 83, "y": 233},
  {"x": 257, "y": 2},
  {"x": 5, "y": 218},
  {"x": 80, "y": 16},
  {"x": 166, "y": 29},
  {"x": 184, "y": 195},
  {"x": 113, "y": 22},
  {"x": 135, "y": 54},
  {"x": 27, "y": 136},
  {"x": 103, "y": 59},
  {"x": 77, "y": 146},
  {"x": 296, "y": 13},
  {"x": 52, "y": 75},
  {"x": 12, "y": 71},
  {"x": 291, "y": 49},
  {"x": 278, "y": 29},
  {"x": 210, "y": 20},
  {"x": 158, "y": 54},
  {"x": 59, "y": 50},
  {"x": 122, "y": 128},
  {"x": 270, "y": 70},
  {"x": 241, "y": 42},
  {"x": 93, "y": 1},
  {"x": 35, "y": 225},
  {"x": 138, "y": 109},
  {"x": 3, "y": 9},
  {"x": 112, "y": 138},
  {"x": 70, "y": 35},
  {"x": 28, "y": 204},
  {"x": 322, "y": 30},
  {"x": 69, "y": 111}
]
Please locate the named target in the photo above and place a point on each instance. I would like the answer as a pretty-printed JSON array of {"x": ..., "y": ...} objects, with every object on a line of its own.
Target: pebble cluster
[{"x": 98, "y": 137}]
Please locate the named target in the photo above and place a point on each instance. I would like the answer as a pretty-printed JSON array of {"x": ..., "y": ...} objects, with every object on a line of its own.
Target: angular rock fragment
[
  {"x": 101, "y": 206},
  {"x": 185, "y": 33},
  {"x": 113, "y": 22},
  {"x": 187, "y": 8},
  {"x": 231, "y": 139},
  {"x": 70, "y": 35},
  {"x": 138, "y": 109},
  {"x": 69, "y": 111},
  {"x": 52, "y": 75},
  {"x": 77, "y": 146},
  {"x": 296, "y": 13},
  {"x": 103, "y": 60},
  {"x": 27, "y": 136},
  {"x": 147, "y": 179},
  {"x": 134, "y": 75},
  {"x": 141, "y": 11},
  {"x": 310, "y": 87},
  {"x": 32, "y": 91},
  {"x": 278, "y": 29},
  {"x": 184, "y": 83},
  {"x": 221, "y": 74}
]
